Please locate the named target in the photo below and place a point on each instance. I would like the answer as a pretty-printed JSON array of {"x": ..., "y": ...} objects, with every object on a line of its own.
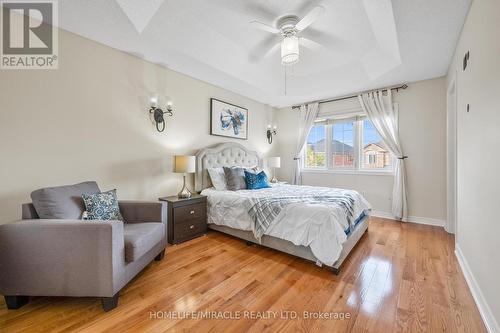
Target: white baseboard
[
  {"x": 485, "y": 311},
  {"x": 413, "y": 219},
  {"x": 381, "y": 214},
  {"x": 426, "y": 220}
]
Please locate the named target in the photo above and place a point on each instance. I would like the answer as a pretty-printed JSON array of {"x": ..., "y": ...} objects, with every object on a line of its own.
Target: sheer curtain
[
  {"x": 307, "y": 115},
  {"x": 380, "y": 111}
]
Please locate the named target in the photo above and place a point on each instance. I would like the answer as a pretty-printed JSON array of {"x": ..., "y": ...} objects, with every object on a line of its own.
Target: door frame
[{"x": 451, "y": 156}]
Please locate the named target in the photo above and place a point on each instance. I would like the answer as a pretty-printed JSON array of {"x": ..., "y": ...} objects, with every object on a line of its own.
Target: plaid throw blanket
[{"x": 264, "y": 211}]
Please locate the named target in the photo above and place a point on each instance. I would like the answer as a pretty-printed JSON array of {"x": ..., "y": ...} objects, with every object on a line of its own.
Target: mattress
[{"x": 322, "y": 227}]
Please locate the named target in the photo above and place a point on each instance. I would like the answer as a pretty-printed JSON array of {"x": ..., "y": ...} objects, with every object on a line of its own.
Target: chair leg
[
  {"x": 160, "y": 255},
  {"x": 109, "y": 303},
  {"x": 15, "y": 302},
  {"x": 335, "y": 271}
]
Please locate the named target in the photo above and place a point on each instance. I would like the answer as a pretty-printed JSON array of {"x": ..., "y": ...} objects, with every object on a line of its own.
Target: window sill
[{"x": 350, "y": 172}]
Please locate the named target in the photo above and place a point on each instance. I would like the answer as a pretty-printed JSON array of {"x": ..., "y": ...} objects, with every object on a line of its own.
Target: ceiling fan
[{"x": 289, "y": 27}]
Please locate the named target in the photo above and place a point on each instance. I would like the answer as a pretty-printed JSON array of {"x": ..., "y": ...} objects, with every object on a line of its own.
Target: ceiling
[{"x": 365, "y": 43}]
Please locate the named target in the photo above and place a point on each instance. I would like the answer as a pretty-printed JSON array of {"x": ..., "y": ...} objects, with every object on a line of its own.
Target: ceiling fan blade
[
  {"x": 260, "y": 10},
  {"x": 265, "y": 48},
  {"x": 310, "y": 44},
  {"x": 312, "y": 16},
  {"x": 263, "y": 26},
  {"x": 272, "y": 50},
  {"x": 325, "y": 39}
]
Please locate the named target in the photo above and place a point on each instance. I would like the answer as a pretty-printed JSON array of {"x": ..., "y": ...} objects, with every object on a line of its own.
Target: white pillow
[{"x": 218, "y": 178}]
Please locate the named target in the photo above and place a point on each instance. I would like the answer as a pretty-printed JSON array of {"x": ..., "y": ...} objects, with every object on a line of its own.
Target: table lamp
[
  {"x": 184, "y": 164},
  {"x": 274, "y": 162}
]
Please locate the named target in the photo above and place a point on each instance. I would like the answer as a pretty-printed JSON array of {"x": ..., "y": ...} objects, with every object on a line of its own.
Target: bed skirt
[{"x": 298, "y": 250}]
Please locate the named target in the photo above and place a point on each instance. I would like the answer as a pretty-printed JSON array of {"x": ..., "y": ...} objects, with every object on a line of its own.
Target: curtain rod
[{"x": 404, "y": 86}]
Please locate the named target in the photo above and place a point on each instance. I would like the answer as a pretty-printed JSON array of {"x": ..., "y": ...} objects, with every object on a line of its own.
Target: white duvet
[{"x": 319, "y": 226}]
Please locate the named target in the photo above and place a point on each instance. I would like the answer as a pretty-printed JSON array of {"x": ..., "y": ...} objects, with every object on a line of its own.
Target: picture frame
[{"x": 228, "y": 120}]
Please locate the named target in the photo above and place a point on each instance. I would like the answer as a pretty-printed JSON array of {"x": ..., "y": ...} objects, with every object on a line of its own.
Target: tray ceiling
[{"x": 365, "y": 43}]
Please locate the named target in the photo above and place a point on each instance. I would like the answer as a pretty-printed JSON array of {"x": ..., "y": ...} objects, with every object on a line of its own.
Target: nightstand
[{"x": 187, "y": 218}]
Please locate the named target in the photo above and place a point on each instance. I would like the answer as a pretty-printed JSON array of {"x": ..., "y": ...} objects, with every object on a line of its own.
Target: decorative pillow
[
  {"x": 235, "y": 178},
  {"x": 218, "y": 178},
  {"x": 256, "y": 181},
  {"x": 102, "y": 206},
  {"x": 62, "y": 202}
]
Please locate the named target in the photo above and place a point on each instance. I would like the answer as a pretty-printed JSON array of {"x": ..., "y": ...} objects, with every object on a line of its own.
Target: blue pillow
[
  {"x": 102, "y": 206},
  {"x": 256, "y": 181}
]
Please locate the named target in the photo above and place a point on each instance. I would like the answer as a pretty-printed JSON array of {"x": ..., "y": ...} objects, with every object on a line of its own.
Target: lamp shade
[
  {"x": 185, "y": 164},
  {"x": 290, "y": 50},
  {"x": 274, "y": 162}
]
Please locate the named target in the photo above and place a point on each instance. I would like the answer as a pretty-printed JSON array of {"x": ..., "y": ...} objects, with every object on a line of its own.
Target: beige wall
[
  {"x": 422, "y": 124},
  {"x": 478, "y": 178},
  {"x": 89, "y": 120}
]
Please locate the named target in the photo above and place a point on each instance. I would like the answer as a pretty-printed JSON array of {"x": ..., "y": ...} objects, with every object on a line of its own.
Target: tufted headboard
[{"x": 224, "y": 154}]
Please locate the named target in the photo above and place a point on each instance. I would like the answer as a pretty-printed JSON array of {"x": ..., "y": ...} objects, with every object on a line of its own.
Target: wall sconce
[
  {"x": 159, "y": 113},
  {"x": 271, "y": 130}
]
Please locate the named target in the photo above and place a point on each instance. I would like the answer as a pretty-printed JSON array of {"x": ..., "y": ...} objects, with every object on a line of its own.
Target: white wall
[
  {"x": 89, "y": 120},
  {"x": 478, "y": 177},
  {"x": 422, "y": 124}
]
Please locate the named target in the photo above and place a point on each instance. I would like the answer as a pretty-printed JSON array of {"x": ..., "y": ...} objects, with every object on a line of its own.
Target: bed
[{"x": 318, "y": 224}]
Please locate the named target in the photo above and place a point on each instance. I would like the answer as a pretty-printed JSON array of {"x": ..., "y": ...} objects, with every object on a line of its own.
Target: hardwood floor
[{"x": 400, "y": 277}]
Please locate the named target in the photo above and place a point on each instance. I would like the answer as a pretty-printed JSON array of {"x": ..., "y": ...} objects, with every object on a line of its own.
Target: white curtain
[
  {"x": 380, "y": 111},
  {"x": 307, "y": 115}
]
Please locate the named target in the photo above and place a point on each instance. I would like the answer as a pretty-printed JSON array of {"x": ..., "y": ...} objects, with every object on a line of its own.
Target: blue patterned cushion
[
  {"x": 102, "y": 206},
  {"x": 256, "y": 181}
]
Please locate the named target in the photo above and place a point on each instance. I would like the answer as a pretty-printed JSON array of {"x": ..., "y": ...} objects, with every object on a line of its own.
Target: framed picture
[{"x": 228, "y": 120}]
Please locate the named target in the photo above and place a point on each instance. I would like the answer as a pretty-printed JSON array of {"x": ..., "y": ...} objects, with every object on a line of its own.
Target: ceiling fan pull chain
[{"x": 285, "y": 78}]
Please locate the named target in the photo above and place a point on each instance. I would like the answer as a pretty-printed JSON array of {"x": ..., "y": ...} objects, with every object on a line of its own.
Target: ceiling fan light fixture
[{"x": 290, "y": 50}]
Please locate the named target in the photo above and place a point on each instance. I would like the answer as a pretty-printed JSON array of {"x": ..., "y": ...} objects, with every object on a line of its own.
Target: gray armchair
[{"x": 71, "y": 257}]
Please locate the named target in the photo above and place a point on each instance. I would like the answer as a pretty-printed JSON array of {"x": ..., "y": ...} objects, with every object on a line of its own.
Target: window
[
  {"x": 316, "y": 147},
  {"x": 351, "y": 144},
  {"x": 342, "y": 147},
  {"x": 372, "y": 158},
  {"x": 375, "y": 155}
]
